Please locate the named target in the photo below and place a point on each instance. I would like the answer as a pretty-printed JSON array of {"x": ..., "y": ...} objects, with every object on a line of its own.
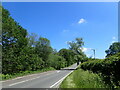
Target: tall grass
[{"x": 83, "y": 79}]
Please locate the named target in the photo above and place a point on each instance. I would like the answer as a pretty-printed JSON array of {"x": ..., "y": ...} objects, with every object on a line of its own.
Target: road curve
[{"x": 50, "y": 79}]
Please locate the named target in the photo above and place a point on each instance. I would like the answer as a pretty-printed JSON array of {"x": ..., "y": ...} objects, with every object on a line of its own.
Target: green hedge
[{"x": 109, "y": 68}]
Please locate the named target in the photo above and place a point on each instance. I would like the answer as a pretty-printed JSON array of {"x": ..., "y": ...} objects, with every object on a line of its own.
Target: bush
[{"x": 109, "y": 69}]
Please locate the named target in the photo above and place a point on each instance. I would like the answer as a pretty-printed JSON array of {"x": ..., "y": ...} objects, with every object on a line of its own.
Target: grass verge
[
  {"x": 83, "y": 79},
  {"x": 23, "y": 73}
]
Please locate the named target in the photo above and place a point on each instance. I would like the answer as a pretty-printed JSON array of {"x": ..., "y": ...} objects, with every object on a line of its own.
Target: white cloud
[
  {"x": 85, "y": 49},
  {"x": 113, "y": 42},
  {"x": 81, "y": 21},
  {"x": 113, "y": 38}
]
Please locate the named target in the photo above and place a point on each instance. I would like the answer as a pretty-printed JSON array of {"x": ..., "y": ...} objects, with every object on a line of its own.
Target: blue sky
[{"x": 95, "y": 22}]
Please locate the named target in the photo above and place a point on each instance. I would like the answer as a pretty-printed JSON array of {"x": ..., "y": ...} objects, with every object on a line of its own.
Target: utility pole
[{"x": 94, "y": 52}]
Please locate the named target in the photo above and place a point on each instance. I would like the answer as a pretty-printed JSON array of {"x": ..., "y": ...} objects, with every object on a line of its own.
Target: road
[{"x": 50, "y": 79}]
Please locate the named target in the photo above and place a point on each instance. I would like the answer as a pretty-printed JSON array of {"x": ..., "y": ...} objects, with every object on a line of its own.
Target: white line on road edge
[
  {"x": 60, "y": 80},
  {"x": 23, "y": 76},
  {"x": 26, "y": 80},
  {"x": 23, "y": 81},
  {"x": 19, "y": 77}
]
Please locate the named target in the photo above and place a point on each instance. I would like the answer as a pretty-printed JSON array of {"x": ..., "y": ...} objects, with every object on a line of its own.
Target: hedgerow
[{"x": 108, "y": 68}]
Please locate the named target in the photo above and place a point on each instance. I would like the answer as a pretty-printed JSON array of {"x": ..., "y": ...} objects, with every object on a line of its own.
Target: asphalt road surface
[{"x": 50, "y": 79}]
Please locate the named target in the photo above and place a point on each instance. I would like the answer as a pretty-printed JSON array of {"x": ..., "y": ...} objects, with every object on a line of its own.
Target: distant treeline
[{"x": 27, "y": 52}]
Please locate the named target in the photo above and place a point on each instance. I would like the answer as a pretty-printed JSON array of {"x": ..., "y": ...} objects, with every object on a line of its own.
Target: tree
[
  {"x": 113, "y": 49},
  {"x": 56, "y": 61},
  {"x": 68, "y": 55},
  {"x": 54, "y": 51},
  {"x": 13, "y": 41},
  {"x": 43, "y": 49},
  {"x": 76, "y": 45},
  {"x": 32, "y": 39}
]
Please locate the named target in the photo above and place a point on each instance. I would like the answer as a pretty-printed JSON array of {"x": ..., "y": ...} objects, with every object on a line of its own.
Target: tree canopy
[
  {"x": 113, "y": 49},
  {"x": 76, "y": 45}
]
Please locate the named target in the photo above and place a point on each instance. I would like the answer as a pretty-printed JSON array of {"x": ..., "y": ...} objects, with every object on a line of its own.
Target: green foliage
[
  {"x": 76, "y": 45},
  {"x": 56, "y": 61},
  {"x": 68, "y": 55},
  {"x": 113, "y": 49},
  {"x": 108, "y": 68},
  {"x": 54, "y": 51},
  {"x": 13, "y": 41},
  {"x": 30, "y": 60},
  {"x": 81, "y": 58},
  {"x": 43, "y": 49},
  {"x": 32, "y": 39},
  {"x": 83, "y": 79},
  {"x": 7, "y": 76}
]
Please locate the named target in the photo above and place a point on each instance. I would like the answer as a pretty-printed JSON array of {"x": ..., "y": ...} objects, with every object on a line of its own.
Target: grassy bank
[
  {"x": 23, "y": 73},
  {"x": 83, "y": 79}
]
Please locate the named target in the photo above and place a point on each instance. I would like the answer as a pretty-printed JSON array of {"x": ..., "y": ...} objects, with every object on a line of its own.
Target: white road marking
[
  {"x": 23, "y": 77},
  {"x": 58, "y": 71},
  {"x": 19, "y": 77},
  {"x": 26, "y": 80},
  {"x": 23, "y": 81},
  {"x": 60, "y": 80}
]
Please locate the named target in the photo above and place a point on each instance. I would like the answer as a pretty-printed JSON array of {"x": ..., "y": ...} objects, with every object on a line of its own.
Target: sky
[{"x": 60, "y": 22}]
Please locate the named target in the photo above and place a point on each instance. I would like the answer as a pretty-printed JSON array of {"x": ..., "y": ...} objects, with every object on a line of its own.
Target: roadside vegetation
[
  {"x": 97, "y": 73},
  {"x": 83, "y": 79},
  {"x": 108, "y": 68},
  {"x": 25, "y": 53}
]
